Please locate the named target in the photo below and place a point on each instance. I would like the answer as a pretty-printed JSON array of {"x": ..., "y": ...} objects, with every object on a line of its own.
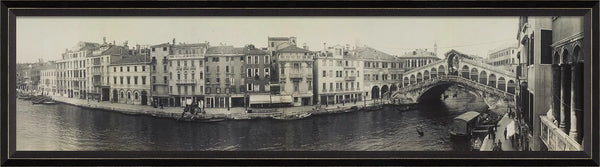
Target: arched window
[{"x": 136, "y": 95}]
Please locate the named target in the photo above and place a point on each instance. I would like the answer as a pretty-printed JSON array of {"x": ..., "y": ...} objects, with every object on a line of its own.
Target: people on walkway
[{"x": 504, "y": 133}]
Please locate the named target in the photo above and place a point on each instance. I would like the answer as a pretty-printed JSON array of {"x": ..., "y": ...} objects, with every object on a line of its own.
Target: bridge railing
[{"x": 447, "y": 78}]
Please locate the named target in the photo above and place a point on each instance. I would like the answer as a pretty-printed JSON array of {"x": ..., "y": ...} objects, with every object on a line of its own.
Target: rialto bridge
[{"x": 495, "y": 85}]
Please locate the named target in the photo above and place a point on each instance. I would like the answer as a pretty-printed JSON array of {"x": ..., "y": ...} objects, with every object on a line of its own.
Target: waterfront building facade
[
  {"x": 337, "y": 78},
  {"x": 129, "y": 80},
  {"x": 382, "y": 72},
  {"x": 257, "y": 77},
  {"x": 505, "y": 57},
  {"x": 98, "y": 72},
  {"x": 71, "y": 69},
  {"x": 159, "y": 74},
  {"x": 186, "y": 73},
  {"x": 224, "y": 81},
  {"x": 295, "y": 69},
  {"x": 48, "y": 79}
]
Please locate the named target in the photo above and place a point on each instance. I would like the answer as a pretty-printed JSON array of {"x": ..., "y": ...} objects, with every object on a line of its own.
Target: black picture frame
[{"x": 12, "y": 9}]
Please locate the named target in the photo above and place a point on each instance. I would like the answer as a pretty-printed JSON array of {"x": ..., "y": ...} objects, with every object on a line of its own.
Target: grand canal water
[{"x": 65, "y": 127}]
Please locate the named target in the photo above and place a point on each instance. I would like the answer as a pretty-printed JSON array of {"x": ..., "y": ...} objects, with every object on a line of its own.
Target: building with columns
[
  {"x": 562, "y": 127},
  {"x": 504, "y": 56},
  {"x": 337, "y": 78},
  {"x": 71, "y": 69},
  {"x": 295, "y": 69},
  {"x": 417, "y": 58},
  {"x": 186, "y": 72},
  {"x": 130, "y": 79}
]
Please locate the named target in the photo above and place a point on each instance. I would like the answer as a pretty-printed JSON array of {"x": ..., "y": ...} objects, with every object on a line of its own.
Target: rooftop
[
  {"x": 293, "y": 49},
  {"x": 373, "y": 54}
]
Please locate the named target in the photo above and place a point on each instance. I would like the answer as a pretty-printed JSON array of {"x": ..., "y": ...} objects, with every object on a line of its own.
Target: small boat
[
  {"x": 420, "y": 130},
  {"x": 291, "y": 117},
  {"x": 49, "y": 102}
]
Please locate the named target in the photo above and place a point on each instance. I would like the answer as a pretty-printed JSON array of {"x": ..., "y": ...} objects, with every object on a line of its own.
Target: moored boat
[
  {"x": 464, "y": 124},
  {"x": 291, "y": 117}
]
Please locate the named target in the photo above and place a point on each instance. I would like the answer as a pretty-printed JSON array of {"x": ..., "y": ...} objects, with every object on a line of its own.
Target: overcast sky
[{"x": 47, "y": 37}]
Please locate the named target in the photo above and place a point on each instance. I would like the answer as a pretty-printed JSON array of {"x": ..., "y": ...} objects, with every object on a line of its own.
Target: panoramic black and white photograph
[{"x": 443, "y": 83}]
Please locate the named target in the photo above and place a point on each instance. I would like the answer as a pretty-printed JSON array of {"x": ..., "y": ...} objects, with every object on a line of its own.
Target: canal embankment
[{"x": 235, "y": 113}]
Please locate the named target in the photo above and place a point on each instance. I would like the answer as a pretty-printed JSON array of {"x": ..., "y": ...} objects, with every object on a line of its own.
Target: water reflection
[{"x": 64, "y": 127}]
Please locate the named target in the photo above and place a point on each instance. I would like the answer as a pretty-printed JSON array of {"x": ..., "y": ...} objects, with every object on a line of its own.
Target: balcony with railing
[
  {"x": 185, "y": 81},
  {"x": 555, "y": 139},
  {"x": 350, "y": 78},
  {"x": 185, "y": 68}
]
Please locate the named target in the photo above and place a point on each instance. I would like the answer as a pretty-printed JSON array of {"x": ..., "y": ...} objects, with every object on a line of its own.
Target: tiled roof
[
  {"x": 293, "y": 49},
  {"x": 373, "y": 54},
  {"x": 279, "y": 38},
  {"x": 222, "y": 50},
  {"x": 191, "y": 45},
  {"x": 418, "y": 54},
  {"x": 161, "y": 45},
  {"x": 250, "y": 51}
]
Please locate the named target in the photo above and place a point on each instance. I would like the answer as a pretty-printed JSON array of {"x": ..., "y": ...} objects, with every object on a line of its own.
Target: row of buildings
[{"x": 170, "y": 74}]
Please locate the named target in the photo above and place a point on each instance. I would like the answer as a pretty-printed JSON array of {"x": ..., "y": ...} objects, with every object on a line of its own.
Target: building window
[
  {"x": 178, "y": 89},
  {"x": 249, "y": 72},
  {"x": 121, "y": 80},
  {"x": 186, "y": 89},
  {"x": 136, "y": 96},
  {"x": 143, "y": 80},
  {"x": 128, "y": 80},
  {"x": 114, "y": 69},
  {"x": 193, "y": 76},
  {"x": 128, "y": 95},
  {"x": 178, "y": 76},
  {"x": 207, "y": 90},
  {"x": 201, "y": 75},
  {"x": 170, "y": 89},
  {"x": 193, "y": 89},
  {"x": 121, "y": 69},
  {"x": 143, "y": 68},
  {"x": 227, "y": 69},
  {"x": 218, "y": 90},
  {"x": 165, "y": 79},
  {"x": 153, "y": 79},
  {"x": 114, "y": 80},
  {"x": 135, "y": 80},
  {"x": 135, "y": 68}
]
